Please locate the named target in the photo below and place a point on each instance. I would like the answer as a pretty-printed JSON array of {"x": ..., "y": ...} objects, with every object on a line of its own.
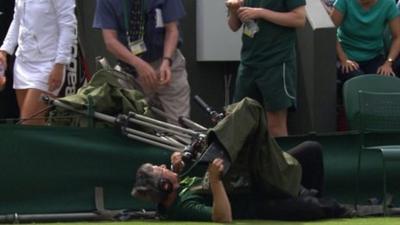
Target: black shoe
[{"x": 308, "y": 192}]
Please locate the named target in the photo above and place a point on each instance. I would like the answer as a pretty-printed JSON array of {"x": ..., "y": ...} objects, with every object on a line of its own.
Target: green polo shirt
[
  {"x": 272, "y": 44},
  {"x": 190, "y": 204},
  {"x": 361, "y": 31}
]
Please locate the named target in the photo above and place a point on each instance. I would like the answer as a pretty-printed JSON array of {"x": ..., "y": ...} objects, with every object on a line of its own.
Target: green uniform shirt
[
  {"x": 272, "y": 44},
  {"x": 361, "y": 31},
  {"x": 190, "y": 203},
  {"x": 194, "y": 203}
]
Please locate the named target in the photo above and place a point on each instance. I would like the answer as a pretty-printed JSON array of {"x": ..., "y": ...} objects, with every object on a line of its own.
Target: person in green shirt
[
  {"x": 268, "y": 68},
  {"x": 361, "y": 26},
  {"x": 261, "y": 181}
]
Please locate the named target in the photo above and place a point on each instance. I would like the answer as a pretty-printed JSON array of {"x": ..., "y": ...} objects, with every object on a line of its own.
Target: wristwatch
[
  {"x": 389, "y": 60},
  {"x": 168, "y": 59}
]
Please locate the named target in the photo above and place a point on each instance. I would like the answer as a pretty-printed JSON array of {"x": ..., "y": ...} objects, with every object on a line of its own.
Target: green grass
[{"x": 358, "y": 221}]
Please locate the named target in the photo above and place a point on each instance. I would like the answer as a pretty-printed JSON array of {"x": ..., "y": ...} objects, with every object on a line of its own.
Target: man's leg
[
  {"x": 309, "y": 155},
  {"x": 278, "y": 87},
  {"x": 277, "y": 123},
  {"x": 174, "y": 98},
  {"x": 243, "y": 133}
]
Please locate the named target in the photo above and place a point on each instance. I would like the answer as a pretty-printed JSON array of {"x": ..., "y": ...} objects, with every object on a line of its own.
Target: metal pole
[
  {"x": 189, "y": 123},
  {"x": 157, "y": 127},
  {"x": 79, "y": 216},
  {"x": 165, "y": 144},
  {"x": 98, "y": 115},
  {"x": 153, "y": 137},
  {"x": 182, "y": 120},
  {"x": 135, "y": 137},
  {"x": 17, "y": 218},
  {"x": 163, "y": 124}
]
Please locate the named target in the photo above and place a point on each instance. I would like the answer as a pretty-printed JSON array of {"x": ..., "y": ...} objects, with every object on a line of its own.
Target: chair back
[
  {"x": 369, "y": 83},
  {"x": 379, "y": 111}
]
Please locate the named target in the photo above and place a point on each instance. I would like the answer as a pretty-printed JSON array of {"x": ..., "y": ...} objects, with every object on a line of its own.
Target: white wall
[{"x": 214, "y": 40}]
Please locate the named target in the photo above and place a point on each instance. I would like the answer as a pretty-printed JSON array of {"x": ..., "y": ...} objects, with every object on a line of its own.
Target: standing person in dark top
[{"x": 268, "y": 68}]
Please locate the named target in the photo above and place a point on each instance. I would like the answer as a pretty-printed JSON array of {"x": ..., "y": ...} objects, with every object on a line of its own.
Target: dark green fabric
[
  {"x": 53, "y": 169},
  {"x": 190, "y": 204},
  {"x": 274, "y": 87},
  {"x": 107, "y": 97},
  {"x": 272, "y": 44},
  {"x": 194, "y": 203},
  {"x": 254, "y": 154}
]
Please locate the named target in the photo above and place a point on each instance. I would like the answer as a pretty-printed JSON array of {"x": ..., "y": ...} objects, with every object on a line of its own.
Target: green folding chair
[
  {"x": 379, "y": 113},
  {"x": 368, "y": 82},
  {"x": 352, "y": 102}
]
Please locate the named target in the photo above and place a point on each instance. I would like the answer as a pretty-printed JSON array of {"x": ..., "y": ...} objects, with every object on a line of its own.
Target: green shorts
[{"x": 274, "y": 87}]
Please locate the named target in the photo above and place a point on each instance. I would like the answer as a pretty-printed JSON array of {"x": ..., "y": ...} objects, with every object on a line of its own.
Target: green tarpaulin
[{"x": 104, "y": 94}]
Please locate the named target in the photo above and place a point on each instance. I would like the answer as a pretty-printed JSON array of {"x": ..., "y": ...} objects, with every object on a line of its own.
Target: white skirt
[{"x": 34, "y": 75}]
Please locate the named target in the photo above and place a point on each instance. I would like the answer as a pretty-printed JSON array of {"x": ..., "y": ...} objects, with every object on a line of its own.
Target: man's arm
[
  {"x": 170, "y": 44},
  {"x": 295, "y": 18},
  {"x": 221, "y": 209},
  {"x": 234, "y": 22},
  {"x": 146, "y": 73}
]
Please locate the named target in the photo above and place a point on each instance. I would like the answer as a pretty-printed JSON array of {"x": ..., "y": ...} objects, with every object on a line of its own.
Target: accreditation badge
[{"x": 137, "y": 47}]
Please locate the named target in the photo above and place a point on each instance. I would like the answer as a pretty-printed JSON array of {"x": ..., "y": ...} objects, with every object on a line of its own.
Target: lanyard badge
[
  {"x": 134, "y": 24},
  {"x": 137, "y": 47}
]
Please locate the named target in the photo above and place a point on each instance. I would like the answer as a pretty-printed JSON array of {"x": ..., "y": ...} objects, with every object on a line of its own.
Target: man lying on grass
[{"x": 260, "y": 181}]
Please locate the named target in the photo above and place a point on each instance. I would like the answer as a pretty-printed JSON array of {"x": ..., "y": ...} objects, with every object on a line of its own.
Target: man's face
[{"x": 163, "y": 172}]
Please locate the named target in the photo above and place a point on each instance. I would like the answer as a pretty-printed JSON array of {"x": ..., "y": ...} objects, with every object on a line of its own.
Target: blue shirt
[{"x": 110, "y": 15}]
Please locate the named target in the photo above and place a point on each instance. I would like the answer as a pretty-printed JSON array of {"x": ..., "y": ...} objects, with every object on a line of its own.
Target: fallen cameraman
[{"x": 261, "y": 182}]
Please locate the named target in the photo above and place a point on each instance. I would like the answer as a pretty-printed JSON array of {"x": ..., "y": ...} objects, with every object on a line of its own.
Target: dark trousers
[
  {"x": 309, "y": 155},
  {"x": 366, "y": 67}
]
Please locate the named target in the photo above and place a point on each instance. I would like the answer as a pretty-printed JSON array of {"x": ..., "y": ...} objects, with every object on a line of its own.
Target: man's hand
[
  {"x": 165, "y": 72},
  {"x": 176, "y": 162},
  {"x": 248, "y": 13},
  {"x": 147, "y": 76},
  {"x": 215, "y": 170},
  {"x": 56, "y": 76}
]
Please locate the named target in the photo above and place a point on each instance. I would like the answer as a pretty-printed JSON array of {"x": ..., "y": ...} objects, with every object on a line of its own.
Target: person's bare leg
[
  {"x": 31, "y": 107},
  {"x": 20, "y": 93},
  {"x": 277, "y": 123}
]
